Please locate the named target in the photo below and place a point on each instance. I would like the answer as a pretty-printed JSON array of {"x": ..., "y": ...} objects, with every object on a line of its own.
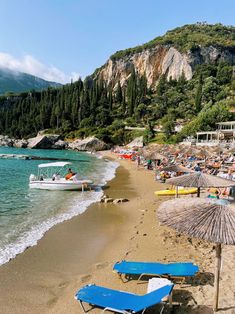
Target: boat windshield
[{"x": 49, "y": 170}]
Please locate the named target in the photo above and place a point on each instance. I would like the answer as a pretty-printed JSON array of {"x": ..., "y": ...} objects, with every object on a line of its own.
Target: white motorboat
[{"x": 52, "y": 176}]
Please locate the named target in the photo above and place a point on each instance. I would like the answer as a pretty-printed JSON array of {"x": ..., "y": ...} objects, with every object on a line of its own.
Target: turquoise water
[{"x": 26, "y": 214}]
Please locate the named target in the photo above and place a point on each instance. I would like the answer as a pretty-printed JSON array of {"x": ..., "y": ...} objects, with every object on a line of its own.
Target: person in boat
[{"x": 70, "y": 174}]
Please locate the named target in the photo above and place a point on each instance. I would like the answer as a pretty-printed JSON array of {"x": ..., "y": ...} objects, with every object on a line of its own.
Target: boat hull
[{"x": 60, "y": 186}]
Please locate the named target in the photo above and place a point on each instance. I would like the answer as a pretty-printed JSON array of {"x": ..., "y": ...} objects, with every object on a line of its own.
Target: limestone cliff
[{"x": 162, "y": 59}]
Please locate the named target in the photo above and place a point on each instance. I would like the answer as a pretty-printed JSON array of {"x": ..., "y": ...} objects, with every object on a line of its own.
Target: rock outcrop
[
  {"x": 137, "y": 142},
  {"x": 162, "y": 59},
  {"x": 60, "y": 145},
  {"x": 106, "y": 199},
  {"x": 6, "y": 141},
  {"x": 88, "y": 144},
  {"x": 20, "y": 143},
  {"x": 43, "y": 141},
  {"x": 53, "y": 141}
]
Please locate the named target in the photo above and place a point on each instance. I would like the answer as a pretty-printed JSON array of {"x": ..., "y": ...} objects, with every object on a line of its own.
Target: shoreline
[
  {"x": 54, "y": 257},
  {"x": 66, "y": 204},
  {"x": 83, "y": 250}
]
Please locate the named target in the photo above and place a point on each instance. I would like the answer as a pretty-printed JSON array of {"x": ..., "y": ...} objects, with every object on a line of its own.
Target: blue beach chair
[
  {"x": 179, "y": 270},
  {"x": 120, "y": 301}
]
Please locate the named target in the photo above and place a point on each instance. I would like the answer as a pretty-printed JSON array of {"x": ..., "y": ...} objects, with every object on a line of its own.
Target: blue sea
[{"x": 26, "y": 214}]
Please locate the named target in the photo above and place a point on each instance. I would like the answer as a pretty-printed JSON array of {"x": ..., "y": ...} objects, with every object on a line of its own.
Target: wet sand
[{"x": 83, "y": 250}]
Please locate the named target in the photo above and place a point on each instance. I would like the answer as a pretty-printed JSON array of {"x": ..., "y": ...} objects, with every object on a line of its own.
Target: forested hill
[
  {"x": 176, "y": 53},
  {"x": 16, "y": 82},
  {"x": 189, "y": 37},
  {"x": 201, "y": 94}
]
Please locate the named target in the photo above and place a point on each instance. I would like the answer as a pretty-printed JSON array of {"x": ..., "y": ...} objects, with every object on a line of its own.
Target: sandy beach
[{"x": 83, "y": 250}]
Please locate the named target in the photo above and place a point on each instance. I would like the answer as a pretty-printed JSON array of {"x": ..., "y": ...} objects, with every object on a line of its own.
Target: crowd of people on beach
[
  {"x": 213, "y": 161},
  {"x": 165, "y": 162}
]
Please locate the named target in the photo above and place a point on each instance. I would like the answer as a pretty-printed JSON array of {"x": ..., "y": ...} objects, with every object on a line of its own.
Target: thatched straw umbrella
[
  {"x": 202, "y": 219},
  {"x": 156, "y": 156},
  {"x": 153, "y": 155},
  {"x": 216, "y": 149},
  {"x": 190, "y": 151},
  {"x": 231, "y": 150},
  {"x": 204, "y": 153},
  {"x": 200, "y": 180},
  {"x": 177, "y": 168}
]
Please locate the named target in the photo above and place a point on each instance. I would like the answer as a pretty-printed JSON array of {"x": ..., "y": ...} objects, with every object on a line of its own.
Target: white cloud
[{"x": 29, "y": 64}]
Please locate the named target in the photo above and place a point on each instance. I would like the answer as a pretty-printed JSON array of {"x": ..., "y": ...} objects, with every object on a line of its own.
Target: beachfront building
[{"x": 224, "y": 135}]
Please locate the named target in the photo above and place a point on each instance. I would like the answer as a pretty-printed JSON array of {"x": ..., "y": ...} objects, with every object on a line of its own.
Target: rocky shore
[{"x": 54, "y": 141}]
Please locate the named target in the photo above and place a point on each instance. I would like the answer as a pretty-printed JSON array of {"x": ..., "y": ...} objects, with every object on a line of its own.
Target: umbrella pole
[
  {"x": 217, "y": 275},
  {"x": 198, "y": 192},
  {"x": 176, "y": 194}
]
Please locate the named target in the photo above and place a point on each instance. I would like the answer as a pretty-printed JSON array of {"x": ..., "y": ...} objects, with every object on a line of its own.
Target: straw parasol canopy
[
  {"x": 201, "y": 218},
  {"x": 231, "y": 150},
  {"x": 190, "y": 151},
  {"x": 153, "y": 155},
  {"x": 200, "y": 180},
  {"x": 217, "y": 149},
  {"x": 177, "y": 168}
]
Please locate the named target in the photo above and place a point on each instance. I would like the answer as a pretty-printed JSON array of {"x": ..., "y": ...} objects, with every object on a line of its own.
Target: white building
[{"x": 224, "y": 135}]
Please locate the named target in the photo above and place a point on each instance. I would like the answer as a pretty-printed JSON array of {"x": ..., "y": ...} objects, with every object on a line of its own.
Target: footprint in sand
[
  {"x": 128, "y": 252},
  {"x": 85, "y": 278},
  {"x": 101, "y": 265},
  {"x": 63, "y": 284}
]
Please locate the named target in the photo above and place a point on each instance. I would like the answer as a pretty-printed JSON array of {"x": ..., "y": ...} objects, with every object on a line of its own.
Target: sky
[{"x": 60, "y": 40}]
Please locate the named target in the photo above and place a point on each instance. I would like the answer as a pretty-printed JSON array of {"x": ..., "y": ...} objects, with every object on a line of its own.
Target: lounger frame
[
  {"x": 128, "y": 308},
  {"x": 182, "y": 279},
  {"x": 118, "y": 311}
]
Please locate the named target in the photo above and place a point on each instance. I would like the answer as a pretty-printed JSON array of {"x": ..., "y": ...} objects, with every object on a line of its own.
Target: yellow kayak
[{"x": 173, "y": 192}]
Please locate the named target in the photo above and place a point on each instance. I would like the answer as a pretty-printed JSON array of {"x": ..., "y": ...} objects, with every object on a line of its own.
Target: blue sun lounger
[
  {"x": 155, "y": 269},
  {"x": 120, "y": 301}
]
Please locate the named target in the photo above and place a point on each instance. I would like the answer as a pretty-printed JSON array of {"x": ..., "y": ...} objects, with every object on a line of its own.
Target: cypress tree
[
  {"x": 124, "y": 103},
  {"x": 131, "y": 92},
  {"x": 119, "y": 93},
  {"x": 198, "y": 97}
]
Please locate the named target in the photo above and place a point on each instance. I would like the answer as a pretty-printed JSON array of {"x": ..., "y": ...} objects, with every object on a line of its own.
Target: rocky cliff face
[{"x": 162, "y": 60}]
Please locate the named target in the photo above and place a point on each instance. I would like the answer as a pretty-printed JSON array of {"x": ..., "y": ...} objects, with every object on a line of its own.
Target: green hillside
[
  {"x": 91, "y": 107},
  {"x": 16, "y": 82},
  {"x": 189, "y": 37}
]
